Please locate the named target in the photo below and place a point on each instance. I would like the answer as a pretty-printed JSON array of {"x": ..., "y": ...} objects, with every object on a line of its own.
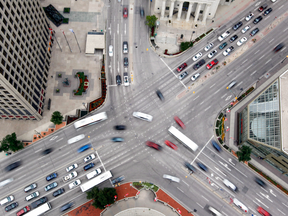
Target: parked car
[
  {"x": 13, "y": 166},
  {"x": 30, "y": 187},
  {"x": 23, "y": 211},
  {"x": 262, "y": 7},
  {"x": 125, "y": 47},
  {"x": 126, "y": 63},
  {"x": 58, "y": 192},
  {"x": 260, "y": 182},
  {"x": 241, "y": 41},
  {"x": 89, "y": 158},
  {"x": 254, "y": 32},
  {"x": 245, "y": 29},
  {"x": 118, "y": 179},
  {"x": 7, "y": 200},
  {"x": 199, "y": 64},
  {"x": 212, "y": 64},
  {"x": 84, "y": 148},
  {"x": 229, "y": 184},
  {"x": 118, "y": 79},
  {"x": 181, "y": 67},
  {"x": 179, "y": 122},
  {"x": 183, "y": 75},
  {"x": 74, "y": 184},
  {"x": 72, "y": 167},
  {"x": 263, "y": 211},
  {"x": 88, "y": 166},
  {"x": 269, "y": 10},
  {"x": 227, "y": 51},
  {"x": 223, "y": 45},
  {"x": 39, "y": 202},
  {"x": 233, "y": 38},
  {"x": 257, "y": 20},
  {"x": 51, "y": 186},
  {"x": 170, "y": 144},
  {"x": 233, "y": 83},
  {"x": 190, "y": 167},
  {"x": 223, "y": 36},
  {"x": 142, "y": 14},
  {"x": 51, "y": 176},
  {"x": 210, "y": 55},
  {"x": 249, "y": 17},
  {"x": 208, "y": 47},
  {"x": 216, "y": 146},
  {"x": 240, "y": 205},
  {"x": 153, "y": 145},
  {"x": 195, "y": 76},
  {"x": 66, "y": 206},
  {"x": 69, "y": 176},
  {"x": 238, "y": 25},
  {"x": 32, "y": 196},
  {"x": 125, "y": 12},
  {"x": 197, "y": 56},
  {"x": 110, "y": 50},
  {"x": 171, "y": 178},
  {"x": 125, "y": 79},
  {"x": 11, "y": 206}
]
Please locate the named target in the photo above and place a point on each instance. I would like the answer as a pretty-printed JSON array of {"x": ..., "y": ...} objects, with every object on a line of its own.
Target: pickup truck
[
  {"x": 69, "y": 176},
  {"x": 211, "y": 64}
]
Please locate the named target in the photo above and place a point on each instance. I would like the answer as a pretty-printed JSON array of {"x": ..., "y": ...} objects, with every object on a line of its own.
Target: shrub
[
  {"x": 220, "y": 140},
  {"x": 209, "y": 31},
  {"x": 66, "y": 10},
  {"x": 65, "y": 21},
  {"x": 201, "y": 36},
  {"x": 226, "y": 147},
  {"x": 220, "y": 116},
  {"x": 217, "y": 132}
]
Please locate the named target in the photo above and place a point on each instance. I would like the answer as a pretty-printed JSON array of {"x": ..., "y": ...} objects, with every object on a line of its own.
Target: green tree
[
  {"x": 151, "y": 21},
  {"x": 185, "y": 45},
  {"x": 56, "y": 118},
  {"x": 244, "y": 153},
  {"x": 101, "y": 197},
  {"x": 11, "y": 143}
]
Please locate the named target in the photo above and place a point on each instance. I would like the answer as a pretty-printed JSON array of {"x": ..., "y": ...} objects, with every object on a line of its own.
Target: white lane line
[
  {"x": 180, "y": 189},
  {"x": 44, "y": 165},
  {"x": 40, "y": 158},
  {"x": 280, "y": 7},
  {"x": 262, "y": 203},
  {"x": 268, "y": 61},
  {"x": 283, "y": 49},
  {"x": 248, "y": 67},
  {"x": 199, "y": 205},
  {"x": 217, "y": 91},
  {"x": 65, "y": 154},
  {"x": 38, "y": 150},
  {"x": 281, "y": 211},
  {"x": 271, "y": 40},
  {"x": 253, "y": 72},
  {"x": 256, "y": 51},
  {"x": 207, "y": 108},
  {"x": 285, "y": 29},
  {"x": 244, "y": 61},
  {"x": 59, "y": 139},
  {"x": 205, "y": 198},
  {"x": 201, "y": 102},
  {"x": 284, "y": 204},
  {"x": 196, "y": 98},
  {"x": 223, "y": 96},
  {"x": 261, "y": 57},
  {"x": 212, "y": 85},
  {"x": 185, "y": 183}
]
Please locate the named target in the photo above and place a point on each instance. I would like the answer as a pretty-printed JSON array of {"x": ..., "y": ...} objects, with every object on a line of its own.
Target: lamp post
[
  {"x": 284, "y": 59},
  {"x": 192, "y": 35},
  {"x": 84, "y": 105}
]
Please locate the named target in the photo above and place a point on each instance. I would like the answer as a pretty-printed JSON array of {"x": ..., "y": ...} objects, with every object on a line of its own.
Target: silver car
[{"x": 183, "y": 75}]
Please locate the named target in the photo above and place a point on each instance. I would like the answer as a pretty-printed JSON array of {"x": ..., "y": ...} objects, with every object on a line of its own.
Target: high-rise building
[{"x": 25, "y": 59}]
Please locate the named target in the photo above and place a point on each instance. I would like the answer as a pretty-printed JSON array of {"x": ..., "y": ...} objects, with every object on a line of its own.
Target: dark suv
[
  {"x": 120, "y": 127},
  {"x": 88, "y": 166},
  {"x": 238, "y": 25},
  {"x": 278, "y": 47},
  {"x": 118, "y": 80},
  {"x": 160, "y": 95},
  {"x": 11, "y": 206},
  {"x": 269, "y": 10},
  {"x": 153, "y": 145},
  {"x": 257, "y": 20},
  {"x": 254, "y": 32},
  {"x": 232, "y": 39},
  {"x": 39, "y": 202},
  {"x": 126, "y": 62},
  {"x": 51, "y": 176},
  {"x": 66, "y": 206},
  {"x": 58, "y": 192},
  {"x": 222, "y": 46},
  {"x": 199, "y": 64},
  {"x": 13, "y": 166},
  {"x": 117, "y": 180}
]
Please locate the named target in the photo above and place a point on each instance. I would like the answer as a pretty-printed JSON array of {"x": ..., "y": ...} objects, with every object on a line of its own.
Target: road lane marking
[
  {"x": 280, "y": 7},
  {"x": 44, "y": 165},
  {"x": 196, "y": 98},
  {"x": 199, "y": 205},
  {"x": 253, "y": 73},
  {"x": 244, "y": 61},
  {"x": 59, "y": 139},
  {"x": 207, "y": 108},
  {"x": 223, "y": 95},
  {"x": 201, "y": 102},
  {"x": 281, "y": 211},
  {"x": 185, "y": 183},
  {"x": 268, "y": 61},
  {"x": 38, "y": 150},
  {"x": 271, "y": 40},
  {"x": 180, "y": 189},
  {"x": 205, "y": 198},
  {"x": 256, "y": 51},
  {"x": 248, "y": 67},
  {"x": 212, "y": 85},
  {"x": 285, "y": 29},
  {"x": 261, "y": 57}
]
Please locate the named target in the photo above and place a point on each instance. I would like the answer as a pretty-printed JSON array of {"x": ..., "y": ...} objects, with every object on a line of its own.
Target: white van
[
  {"x": 214, "y": 211},
  {"x": 172, "y": 178},
  {"x": 229, "y": 184},
  {"x": 93, "y": 174},
  {"x": 7, "y": 200},
  {"x": 143, "y": 116},
  {"x": 76, "y": 139},
  {"x": 240, "y": 205},
  {"x": 5, "y": 182}
]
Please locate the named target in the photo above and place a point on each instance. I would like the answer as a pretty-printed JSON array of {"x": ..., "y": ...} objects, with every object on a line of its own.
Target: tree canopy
[
  {"x": 151, "y": 21},
  {"x": 11, "y": 143},
  {"x": 244, "y": 153},
  {"x": 101, "y": 197},
  {"x": 56, "y": 118}
]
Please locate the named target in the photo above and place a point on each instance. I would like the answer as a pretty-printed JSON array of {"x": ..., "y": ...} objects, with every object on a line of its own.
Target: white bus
[
  {"x": 91, "y": 120},
  {"x": 39, "y": 210},
  {"x": 95, "y": 181},
  {"x": 182, "y": 138}
]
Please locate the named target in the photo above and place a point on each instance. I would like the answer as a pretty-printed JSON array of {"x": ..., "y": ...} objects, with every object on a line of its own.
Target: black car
[
  {"x": 47, "y": 151},
  {"x": 260, "y": 182},
  {"x": 51, "y": 176},
  {"x": 278, "y": 47},
  {"x": 126, "y": 63},
  {"x": 13, "y": 166},
  {"x": 190, "y": 167},
  {"x": 254, "y": 32},
  {"x": 66, "y": 206},
  {"x": 118, "y": 80},
  {"x": 11, "y": 206},
  {"x": 58, "y": 192},
  {"x": 120, "y": 127},
  {"x": 142, "y": 14},
  {"x": 160, "y": 95},
  {"x": 257, "y": 20},
  {"x": 88, "y": 166},
  {"x": 223, "y": 45},
  {"x": 199, "y": 64},
  {"x": 232, "y": 39},
  {"x": 39, "y": 202},
  {"x": 202, "y": 166},
  {"x": 117, "y": 180},
  {"x": 237, "y": 26},
  {"x": 269, "y": 10}
]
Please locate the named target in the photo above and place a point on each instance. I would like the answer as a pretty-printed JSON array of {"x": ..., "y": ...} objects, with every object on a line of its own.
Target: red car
[
  {"x": 23, "y": 211},
  {"x": 262, "y": 7},
  {"x": 125, "y": 13},
  {"x": 211, "y": 64},
  {"x": 181, "y": 67},
  {"x": 263, "y": 212},
  {"x": 179, "y": 122},
  {"x": 153, "y": 145},
  {"x": 170, "y": 144}
]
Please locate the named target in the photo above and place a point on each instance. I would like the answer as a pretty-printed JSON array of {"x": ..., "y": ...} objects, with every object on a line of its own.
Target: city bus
[
  {"x": 91, "y": 120},
  {"x": 182, "y": 138},
  {"x": 39, "y": 210},
  {"x": 95, "y": 181}
]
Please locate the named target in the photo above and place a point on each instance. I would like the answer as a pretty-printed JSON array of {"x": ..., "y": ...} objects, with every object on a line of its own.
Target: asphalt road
[{"x": 132, "y": 158}]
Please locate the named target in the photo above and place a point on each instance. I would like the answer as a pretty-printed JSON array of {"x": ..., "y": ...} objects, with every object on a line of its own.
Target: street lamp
[
  {"x": 192, "y": 35},
  {"x": 84, "y": 105},
  {"x": 284, "y": 59}
]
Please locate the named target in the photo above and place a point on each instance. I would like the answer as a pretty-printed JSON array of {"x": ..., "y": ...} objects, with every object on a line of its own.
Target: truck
[{"x": 69, "y": 176}]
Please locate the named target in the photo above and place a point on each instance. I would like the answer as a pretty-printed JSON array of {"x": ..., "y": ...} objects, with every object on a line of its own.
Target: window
[
  {"x": 11, "y": 20},
  {"x": 8, "y": 6},
  {"x": 3, "y": 30},
  {"x": 4, "y": 21},
  {"x": 6, "y": 13}
]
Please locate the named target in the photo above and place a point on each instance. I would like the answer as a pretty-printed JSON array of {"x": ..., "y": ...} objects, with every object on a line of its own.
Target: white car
[
  {"x": 240, "y": 205},
  {"x": 110, "y": 50},
  {"x": 242, "y": 41},
  {"x": 249, "y": 17},
  {"x": 32, "y": 196},
  {"x": 227, "y": 51},
  {"x": 210, "y": 55},
  {"x": 126, "y": 79},
  {"x": 171, "y": 178},
  {"x": 76, "y": 139},
  {"x": 245, "y": 29},
  {"x": 74, "y": 184},
  {"x": 208, "y": 47},
  {"x": 223, "y": 36},
  {"x": 73, "y": 166},
  {"x": 70, "y": 176},
  {"x": 89, "y": 158},
  {"x": 196, "y": 76},
  {"x": 197, "y": 56}
]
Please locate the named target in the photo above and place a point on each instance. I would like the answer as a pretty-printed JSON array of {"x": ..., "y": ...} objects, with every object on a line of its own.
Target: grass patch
[{"x": 138, "y": 185}]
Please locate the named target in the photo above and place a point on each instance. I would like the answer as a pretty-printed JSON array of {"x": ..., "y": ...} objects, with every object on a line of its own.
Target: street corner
[{"x": 125, "y": 190}]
